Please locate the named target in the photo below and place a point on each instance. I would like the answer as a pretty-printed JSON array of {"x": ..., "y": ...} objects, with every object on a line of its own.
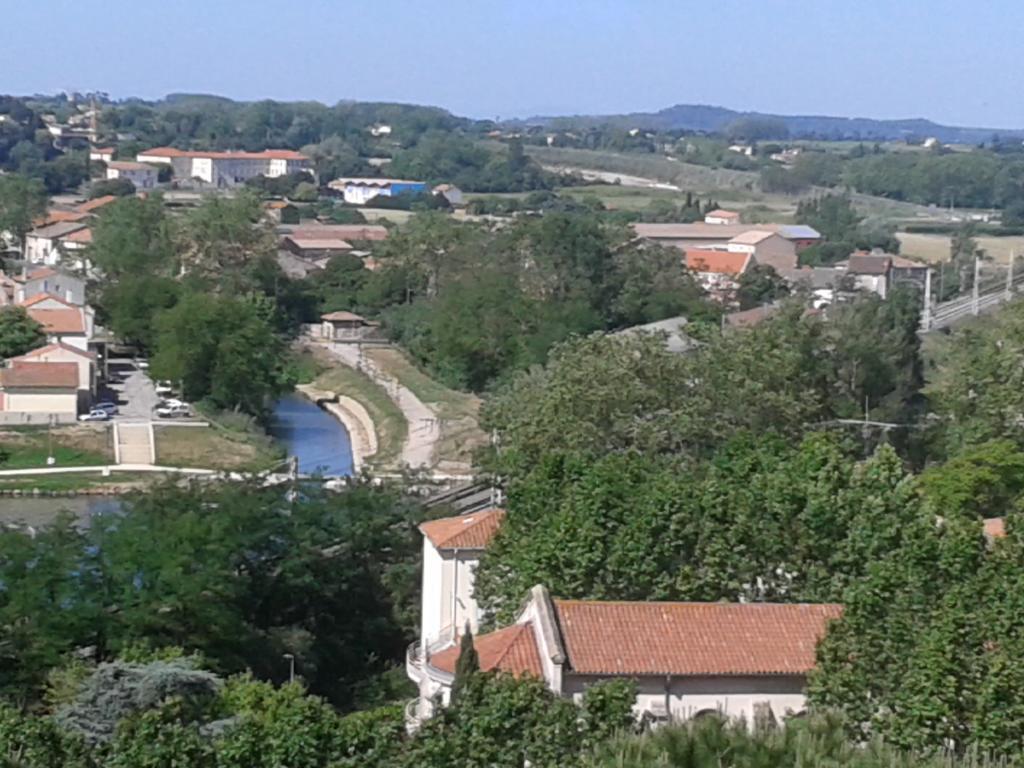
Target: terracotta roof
[
  {"x": 267, "y": 154},
  {"x": 473, "y": 531},
  {"x": 868, "y": 264},
  {"x": 99, "y": 202},
  {"x": 53, "y": 217},
  {"x": 753, "y": 237},
  {"x": 343, "y": 231},
  {"x": 102, "y": 150},
  {"x": 48, "y": 375},
  {"x": 41, "y": 297},
  {"x": 80, "y": 236},
  {"x": 721, "y": 213},
  {"x": 59, "y": 345},
  {"x": 58, "y": 229},
  {"x": 276, "y": 204},
  {"x": 900, "y": 262},
  {"x": 747, "y": 318},
  {"x": 42, "y": 272},
  {"x": 994, "y": 527},
  {"x": 512, "y": 649},
  {"x": 319, "y": 243},
  {"x": 703, "y": 231},
  {"x": 129, "y": 165},
  {"x": 692, "y": 638},
  {"x": 58, "y": 320},
  {"x": 342, "y": 316},
  {"x": 718, "y": 262}
]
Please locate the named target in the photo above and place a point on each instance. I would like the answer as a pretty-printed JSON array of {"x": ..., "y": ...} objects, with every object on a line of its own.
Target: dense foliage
[{"x": 234, "y": 572}]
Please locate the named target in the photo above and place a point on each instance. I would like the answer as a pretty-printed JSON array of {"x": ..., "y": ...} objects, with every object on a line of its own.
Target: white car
[
  {"x": 173, "y": 402},
  {"x": 173, "y": 411},
  {"x": 164, "y": 388},
  {"x": 96, "y": 414},
  {"x": 106, "y": 406}
]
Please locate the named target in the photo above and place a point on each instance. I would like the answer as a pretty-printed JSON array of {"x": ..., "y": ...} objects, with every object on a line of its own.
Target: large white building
[
  {"x": 227, "y": 169},
  {"x": 687, "y": 659},
  {"x": 360, "y": 191}
]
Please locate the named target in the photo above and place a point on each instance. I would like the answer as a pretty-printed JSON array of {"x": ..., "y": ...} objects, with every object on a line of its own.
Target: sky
[{"x": 954, "y": 62}]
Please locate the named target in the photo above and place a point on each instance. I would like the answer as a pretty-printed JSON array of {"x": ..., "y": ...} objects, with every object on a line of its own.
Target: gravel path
[{"x": 424, "y": 426}]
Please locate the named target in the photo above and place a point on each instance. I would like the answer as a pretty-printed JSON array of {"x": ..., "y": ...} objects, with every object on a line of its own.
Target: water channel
[{"x": 319, "y": 440}]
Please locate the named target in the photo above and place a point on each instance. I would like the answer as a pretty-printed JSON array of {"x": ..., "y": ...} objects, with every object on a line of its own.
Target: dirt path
[{"x": 424, "y": 426}]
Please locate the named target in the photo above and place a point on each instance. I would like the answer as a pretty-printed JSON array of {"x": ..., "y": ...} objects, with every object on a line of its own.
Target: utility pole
[
  {"x": 926, "y": 312},
  {"x": 1009, "y": 275},
  {"x": 975, "y": 290}
]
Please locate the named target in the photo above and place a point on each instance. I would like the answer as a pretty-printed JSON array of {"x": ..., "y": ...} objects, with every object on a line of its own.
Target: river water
[{"x": 319, "y": 440}]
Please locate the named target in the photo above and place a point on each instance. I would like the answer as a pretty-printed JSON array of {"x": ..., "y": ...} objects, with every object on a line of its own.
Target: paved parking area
[{"x": 132, "y": 390}]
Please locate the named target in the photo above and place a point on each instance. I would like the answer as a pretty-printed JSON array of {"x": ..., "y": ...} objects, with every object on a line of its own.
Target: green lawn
[
  {"x": 71, "y": 446},
  {"x": 78, "y": 481},
  {"x": 214, "y": 448}
]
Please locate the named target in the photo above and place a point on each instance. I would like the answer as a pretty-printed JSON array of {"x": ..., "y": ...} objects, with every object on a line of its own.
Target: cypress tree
[{"x": 467, "y": 665}]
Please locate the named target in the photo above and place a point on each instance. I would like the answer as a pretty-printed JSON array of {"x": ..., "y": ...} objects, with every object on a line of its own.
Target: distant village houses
[{"x": 361, "y": 190}]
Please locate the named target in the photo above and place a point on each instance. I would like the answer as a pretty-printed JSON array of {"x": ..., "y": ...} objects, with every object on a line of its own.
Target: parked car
[
  {"x": 142, "y": 365},
  {"x": 96, "y": 414},
  {"x": 172, "y": 402},
  {"x": 173, "y": 411},
  {"x": 107, "y": 406},
  {"x": 164, "y": 388}
]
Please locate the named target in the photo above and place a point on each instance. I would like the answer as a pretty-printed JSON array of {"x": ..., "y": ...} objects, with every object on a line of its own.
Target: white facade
[
  {"x": 227, "y": 169},
  {"x": 141, "y": 176}
]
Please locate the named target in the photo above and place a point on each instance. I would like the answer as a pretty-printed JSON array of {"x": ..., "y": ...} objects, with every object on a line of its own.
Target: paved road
[
  {"x": 424, "y": 426},
  {"x": 136, "y": 395}
]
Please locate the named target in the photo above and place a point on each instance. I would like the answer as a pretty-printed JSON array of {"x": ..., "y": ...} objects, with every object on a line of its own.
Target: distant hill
[{"x": 709, "y": 119}]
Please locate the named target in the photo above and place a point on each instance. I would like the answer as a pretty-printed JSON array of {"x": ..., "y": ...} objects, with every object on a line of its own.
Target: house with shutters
[{"x": 687, "y": 659}]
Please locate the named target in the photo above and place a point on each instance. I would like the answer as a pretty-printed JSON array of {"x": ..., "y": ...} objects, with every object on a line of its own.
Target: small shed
[{"x": 345, "y": 326}]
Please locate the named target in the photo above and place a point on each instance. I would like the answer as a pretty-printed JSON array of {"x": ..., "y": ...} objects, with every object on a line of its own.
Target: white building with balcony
[{"x": 687, "y": 659}]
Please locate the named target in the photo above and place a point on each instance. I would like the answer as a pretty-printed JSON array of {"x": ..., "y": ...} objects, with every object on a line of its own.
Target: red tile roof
[
  {"x": 994, "y": 528},
  {"x": 512, "y": 649},
  {"x": 343, "y": 317},
  {"x": 342, "y": 231},
  {"x": 53, "y": 217},
  {"x": 44, "y": 375},
  {"x": 692, "y": 638},
  {"x": 718, "y": 262},
  {"x": 59, "y": 345},
  {"x": 41, "y": 297},
  {"x": 58, "y": 320},
  {"x": 267, "y": 154},
  {"x": 36, "y": 274},
  {"x": 473, "y": 531},
  {"x": 99, "y": 202},
  {"x": 721, "y": 213},
  {"x": 81, "y": 236}
]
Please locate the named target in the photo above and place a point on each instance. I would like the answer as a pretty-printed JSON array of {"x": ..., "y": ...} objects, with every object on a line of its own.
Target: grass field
[
  {"x": 78, "y": 481},
  {"x": 77, "y": 445},
  {"x": 458, "y": 411},
  {"x": 388, "y": 420},
  {"x": 213, "y": 448},
  {"x": 935, "y": 248}
]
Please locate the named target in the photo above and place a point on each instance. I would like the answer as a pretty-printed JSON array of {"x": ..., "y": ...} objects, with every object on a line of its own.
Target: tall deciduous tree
[
  {"x": 21, "y": 200},
  {"x": 18, "y": 332}
]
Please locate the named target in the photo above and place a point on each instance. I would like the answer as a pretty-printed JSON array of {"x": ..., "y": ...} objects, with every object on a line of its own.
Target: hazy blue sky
[{"x": 955, "y": 62}]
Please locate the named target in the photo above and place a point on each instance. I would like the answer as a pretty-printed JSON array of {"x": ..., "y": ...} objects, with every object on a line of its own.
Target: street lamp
[{"x": 291, "y": 666}]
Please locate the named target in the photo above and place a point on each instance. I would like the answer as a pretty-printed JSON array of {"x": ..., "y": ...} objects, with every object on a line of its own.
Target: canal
[{"x": 307, "y": 431}]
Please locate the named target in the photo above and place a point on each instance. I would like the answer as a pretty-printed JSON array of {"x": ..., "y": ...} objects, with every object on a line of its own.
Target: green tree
[
  {"x": 467, "y": 665},
  {"x": 19, "y": 333},
  {"x": 21, "y": 201},
  {"x": 759, "y": 285},
  {"x": 133, "y": 237}
]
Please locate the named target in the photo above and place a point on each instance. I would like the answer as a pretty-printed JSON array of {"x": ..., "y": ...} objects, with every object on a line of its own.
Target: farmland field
[{"x": 936, "y": 247}]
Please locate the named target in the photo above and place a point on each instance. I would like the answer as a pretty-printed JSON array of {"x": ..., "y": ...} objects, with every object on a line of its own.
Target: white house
[
  {"x": 47, "y": 280},
  {"x": 227, "y": 169},
  {"x": 61, "y": 322},
  {"x": 37, "y": 393},
  {"x": 85, "y": 362},
  {"x": 719, "y": 271},
  {"x": 141, "y": 176},
  {"x": 44, "y": 245},
  {"x": 101, "y": 154},
  {"x": 720, "y": 216},
  {"x": 687, "y": 659}
]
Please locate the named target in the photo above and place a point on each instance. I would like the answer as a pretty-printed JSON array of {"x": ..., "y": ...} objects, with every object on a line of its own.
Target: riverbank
[{"x": 354, "y": 418}]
